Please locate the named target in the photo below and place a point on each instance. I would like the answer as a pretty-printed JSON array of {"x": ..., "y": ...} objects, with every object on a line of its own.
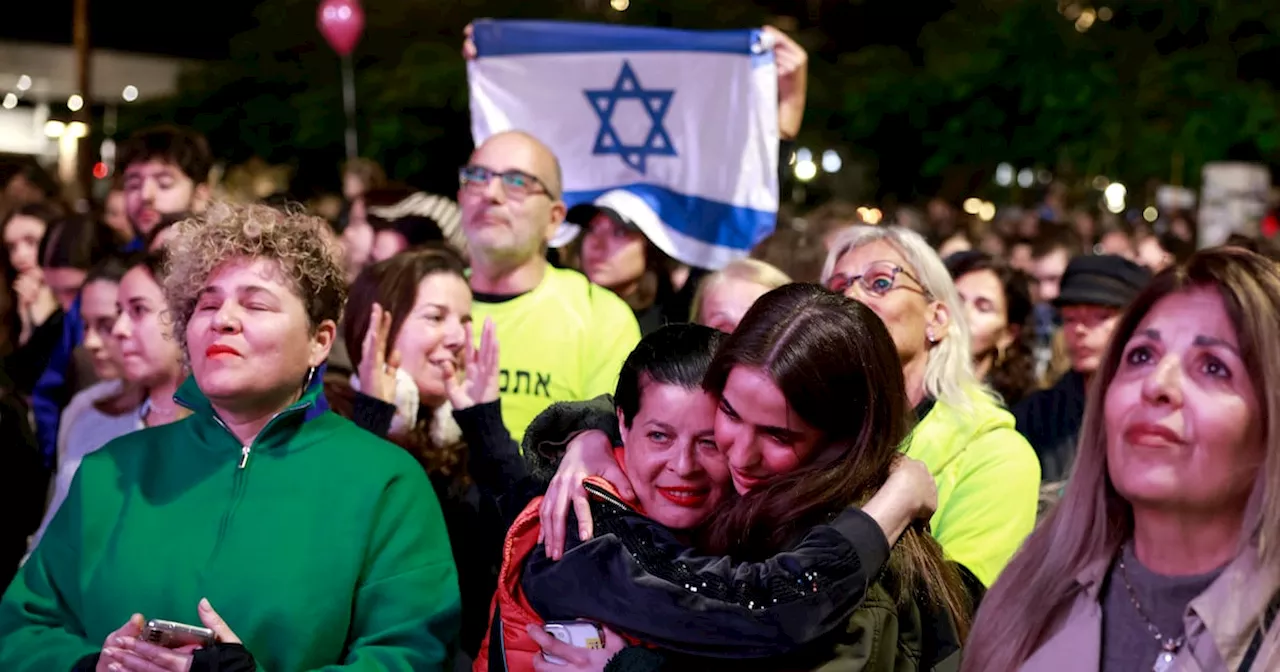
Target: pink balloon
[{"x": 341, "y": 22}]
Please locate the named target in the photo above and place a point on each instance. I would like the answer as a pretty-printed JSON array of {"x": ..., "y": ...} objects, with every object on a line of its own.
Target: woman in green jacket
[{"x": 320, "y": 546}]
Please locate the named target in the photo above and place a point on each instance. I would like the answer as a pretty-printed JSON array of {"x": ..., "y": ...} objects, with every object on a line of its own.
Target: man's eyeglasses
[
  {"x": 515, "y": 183},
  {"x": 880, "y": 278}
]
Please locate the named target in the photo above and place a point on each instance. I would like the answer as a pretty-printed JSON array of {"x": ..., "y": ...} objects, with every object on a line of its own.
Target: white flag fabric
[{"x": 687, "y": 121}]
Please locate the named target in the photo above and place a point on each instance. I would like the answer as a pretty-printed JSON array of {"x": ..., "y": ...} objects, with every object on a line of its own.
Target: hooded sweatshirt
[
  {"x": 322, "y": 546},
  {"x": 988, "y": 482}
]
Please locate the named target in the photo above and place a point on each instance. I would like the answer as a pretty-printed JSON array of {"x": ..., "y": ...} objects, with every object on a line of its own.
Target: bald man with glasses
[{"x": 562, "y": 338}]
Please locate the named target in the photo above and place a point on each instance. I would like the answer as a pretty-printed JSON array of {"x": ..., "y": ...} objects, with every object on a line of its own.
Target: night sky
[{"x": 127, "y": 25}]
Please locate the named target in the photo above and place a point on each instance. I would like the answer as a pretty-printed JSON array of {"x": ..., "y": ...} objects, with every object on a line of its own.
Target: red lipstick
[
  {"x": 219, "y": 349},
  {"x": 686, "y": 497}
]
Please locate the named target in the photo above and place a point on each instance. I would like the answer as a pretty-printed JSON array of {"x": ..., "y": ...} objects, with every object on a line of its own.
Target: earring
[{"x": 929, "y": 335}]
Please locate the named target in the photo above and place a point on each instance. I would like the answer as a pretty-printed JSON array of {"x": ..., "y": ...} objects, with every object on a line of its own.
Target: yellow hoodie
[{"x": 988, "y": 483}]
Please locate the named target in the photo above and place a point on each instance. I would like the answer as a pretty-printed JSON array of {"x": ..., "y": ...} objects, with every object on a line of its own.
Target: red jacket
[{"x": 509, "y": 603}]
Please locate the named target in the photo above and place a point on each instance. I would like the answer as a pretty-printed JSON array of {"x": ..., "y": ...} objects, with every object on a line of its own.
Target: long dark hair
[
  {"x": 393, "y": 284},
  {"x": 836, "y": 364},
  {"x": 676, "y": 354},
  {"x": 1013, "y": 373}
]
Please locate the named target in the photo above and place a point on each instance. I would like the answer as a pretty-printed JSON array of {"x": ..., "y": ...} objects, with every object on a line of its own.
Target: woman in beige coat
[{"x": 1163, "y": 553}]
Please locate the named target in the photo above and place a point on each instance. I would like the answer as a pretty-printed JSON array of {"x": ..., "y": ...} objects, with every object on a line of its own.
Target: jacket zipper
[
  {"x": 606, "y": 496},
  {"x": 241, "y": 475}
]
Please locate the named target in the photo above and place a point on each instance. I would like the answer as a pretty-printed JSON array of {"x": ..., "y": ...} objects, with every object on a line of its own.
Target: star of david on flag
[
  {"x": 684, "y": 122},
  {"x": 656, "y": 141}
]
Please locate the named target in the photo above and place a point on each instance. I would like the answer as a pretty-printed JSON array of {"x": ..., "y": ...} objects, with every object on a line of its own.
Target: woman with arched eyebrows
[{"x": 1162, "y": 553}]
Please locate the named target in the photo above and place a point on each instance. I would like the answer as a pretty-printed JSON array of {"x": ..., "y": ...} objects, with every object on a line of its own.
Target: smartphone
[
  {"x": 582, "y": 634},
  {"x": 173, "y": 635}
]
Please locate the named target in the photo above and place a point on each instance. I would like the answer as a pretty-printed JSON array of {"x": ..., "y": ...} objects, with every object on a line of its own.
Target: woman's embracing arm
[{"x": 636, "y": 576}]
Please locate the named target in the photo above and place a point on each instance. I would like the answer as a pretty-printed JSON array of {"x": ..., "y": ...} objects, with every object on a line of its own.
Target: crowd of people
[{"x": 420, "y": 436}]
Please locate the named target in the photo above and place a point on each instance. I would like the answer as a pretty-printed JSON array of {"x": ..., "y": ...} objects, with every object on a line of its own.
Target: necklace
[{"x": 1169, "y": 646}]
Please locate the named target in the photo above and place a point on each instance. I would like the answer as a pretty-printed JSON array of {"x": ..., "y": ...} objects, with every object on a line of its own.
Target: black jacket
[
  {"x": 23, "y": 478},
  {"x": 821, "y": 603},
  {"x": 1050, "y": 420}
]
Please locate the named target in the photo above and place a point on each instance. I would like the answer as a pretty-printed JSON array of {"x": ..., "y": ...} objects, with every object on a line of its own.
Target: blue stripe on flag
[
  {"x": 703, "y": 219},
  {"x": 517, "y": 38}
]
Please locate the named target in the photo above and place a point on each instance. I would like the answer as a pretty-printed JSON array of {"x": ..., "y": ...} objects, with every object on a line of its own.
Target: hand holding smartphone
[
  {"x": 582, "y": 634},
  {"x": 174, "y": 635}
]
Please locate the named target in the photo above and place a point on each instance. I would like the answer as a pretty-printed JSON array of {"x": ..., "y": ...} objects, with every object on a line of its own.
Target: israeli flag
[{"x": 686, "y": 121}]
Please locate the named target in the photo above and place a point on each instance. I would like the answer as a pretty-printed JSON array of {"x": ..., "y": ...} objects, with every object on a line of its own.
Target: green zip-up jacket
[{"x": 322, "y": 546}]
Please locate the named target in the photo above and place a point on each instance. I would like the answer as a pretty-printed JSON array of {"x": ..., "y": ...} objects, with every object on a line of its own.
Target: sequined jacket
[{"x": 821, "y": 604}]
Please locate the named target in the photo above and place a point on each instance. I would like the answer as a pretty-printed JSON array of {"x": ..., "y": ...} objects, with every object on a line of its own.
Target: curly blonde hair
[{"x": 303, "y": 246}]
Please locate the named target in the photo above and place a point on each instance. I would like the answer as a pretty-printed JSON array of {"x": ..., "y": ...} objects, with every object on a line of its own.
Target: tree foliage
[
  {"x": 1155, "y": 92},
  {"x": 279, "y": 96},
  {"x": 923, "y": 88}
]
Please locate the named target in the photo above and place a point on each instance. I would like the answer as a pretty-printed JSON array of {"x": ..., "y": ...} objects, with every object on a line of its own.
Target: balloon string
[{"x": 349, "y": 103}]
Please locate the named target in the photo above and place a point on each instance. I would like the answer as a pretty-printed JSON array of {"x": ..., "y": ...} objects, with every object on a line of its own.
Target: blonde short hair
[
  {"x": 949, "y": 375},
  {"x": 750, "y": 270}
]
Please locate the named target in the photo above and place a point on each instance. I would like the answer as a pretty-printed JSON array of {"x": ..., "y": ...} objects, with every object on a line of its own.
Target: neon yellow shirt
[
  {"x": 563, "y": 341},
  {"x": 988, "y": 483}
]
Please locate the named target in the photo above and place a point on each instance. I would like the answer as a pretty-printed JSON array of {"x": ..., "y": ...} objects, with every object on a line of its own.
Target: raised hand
[
  {"x": 477, "y": 381},
  {"x": 36, "y": 302},
  {"x": 468, "y": 43},
  {"x": 793, "y": 78},
  {"x": 378, "y": 369}
]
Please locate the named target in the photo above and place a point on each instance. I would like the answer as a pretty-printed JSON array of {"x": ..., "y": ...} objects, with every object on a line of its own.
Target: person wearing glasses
[
  {"x": 563, "y": 338},
  {"x": 988, "y": 476}
]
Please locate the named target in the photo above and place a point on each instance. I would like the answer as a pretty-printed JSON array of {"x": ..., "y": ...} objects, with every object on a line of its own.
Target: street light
[
  {"x": 806, "y": 170},
  {"x": 831, "y": 161},
  {"x": 24, "y": 83},
  {"x": 130, "y": 93},
  {"x": 10, "y": 101},
  {"x": 1004, "y": 175},
  {"x": 75, "y": 102},
  {"x": 1114, "y": 196}
]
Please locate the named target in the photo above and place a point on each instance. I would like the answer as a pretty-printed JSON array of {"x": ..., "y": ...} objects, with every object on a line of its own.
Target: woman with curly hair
[{"x": 322, "y": 545}]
